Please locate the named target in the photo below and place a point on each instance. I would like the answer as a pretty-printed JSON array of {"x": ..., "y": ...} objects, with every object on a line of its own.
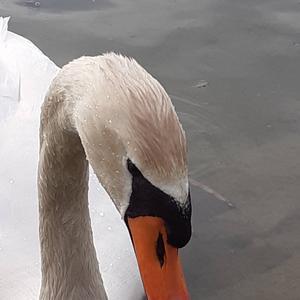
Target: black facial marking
[
  {"x": 148, "y": 200},
  {"x": 160, "y": 250}
]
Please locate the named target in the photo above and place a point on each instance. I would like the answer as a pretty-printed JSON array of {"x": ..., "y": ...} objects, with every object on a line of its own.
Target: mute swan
[{"x": 110, "y": 110}]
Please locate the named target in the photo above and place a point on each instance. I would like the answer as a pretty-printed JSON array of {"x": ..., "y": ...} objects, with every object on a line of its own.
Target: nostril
[{"x": 160, "y": 250}]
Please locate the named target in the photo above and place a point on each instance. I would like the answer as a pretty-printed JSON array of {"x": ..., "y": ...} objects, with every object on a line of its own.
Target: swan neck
[{"x": 69, "y": 264}]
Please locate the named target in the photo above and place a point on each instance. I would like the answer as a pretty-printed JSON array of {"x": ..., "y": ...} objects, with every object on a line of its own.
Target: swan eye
[
  {"x": 160, "y": 250},
  {"x": 132, "y": 168}
]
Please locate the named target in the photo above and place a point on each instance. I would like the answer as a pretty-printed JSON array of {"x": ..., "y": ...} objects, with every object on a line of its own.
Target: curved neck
[{"x": 69, "y": 264}]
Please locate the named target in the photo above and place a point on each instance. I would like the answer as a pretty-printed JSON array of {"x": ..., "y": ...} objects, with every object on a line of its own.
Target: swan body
[{"x": 25, "y": 76}]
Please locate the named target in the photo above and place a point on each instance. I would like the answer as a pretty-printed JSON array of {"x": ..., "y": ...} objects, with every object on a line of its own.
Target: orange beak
[{"x": 158, "y": 261}]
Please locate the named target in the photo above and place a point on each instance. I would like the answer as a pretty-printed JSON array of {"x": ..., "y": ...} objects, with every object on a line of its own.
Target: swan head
[{"x": 137, "y": 148}]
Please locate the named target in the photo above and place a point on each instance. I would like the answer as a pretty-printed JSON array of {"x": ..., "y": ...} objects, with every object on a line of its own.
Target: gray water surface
[
  {"x": 242, "y": 126},
  {"x": 65, "y": 6}
]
